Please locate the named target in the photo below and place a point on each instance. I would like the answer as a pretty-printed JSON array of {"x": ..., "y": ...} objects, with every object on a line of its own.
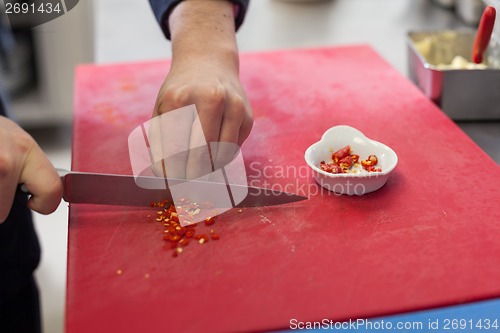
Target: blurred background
[{"x": 39, "y": 73}]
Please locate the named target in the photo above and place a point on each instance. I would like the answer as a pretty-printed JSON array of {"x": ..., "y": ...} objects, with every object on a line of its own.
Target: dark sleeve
[
  {"x": 19, "y": 250},
  {"x": 162, "y": 8}
]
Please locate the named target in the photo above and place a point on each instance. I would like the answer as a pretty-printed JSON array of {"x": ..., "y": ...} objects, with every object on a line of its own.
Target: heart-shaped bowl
[{"x": 358, "y": 181}]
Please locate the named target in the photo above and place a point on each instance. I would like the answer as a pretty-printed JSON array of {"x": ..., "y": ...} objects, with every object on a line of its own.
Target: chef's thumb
[{"x": 42, "y": 181}]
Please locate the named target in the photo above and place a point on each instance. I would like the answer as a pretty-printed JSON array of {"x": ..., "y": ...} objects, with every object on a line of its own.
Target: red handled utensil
[{"x": 483, "y": 34}]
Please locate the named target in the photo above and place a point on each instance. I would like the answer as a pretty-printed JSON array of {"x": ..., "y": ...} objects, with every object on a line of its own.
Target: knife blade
[{"x": 122, "y": 190}]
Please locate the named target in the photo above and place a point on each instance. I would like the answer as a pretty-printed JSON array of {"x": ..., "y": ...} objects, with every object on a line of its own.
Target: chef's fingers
[
  {"x": 153, "y": 138},
  {"x": 205, "y": 130},
  {"x": 42, "y": 181},
  {"x": 237, "y": 118},
  {"x": 246, "y": 126},
  {"x": 227, "y": 148},
  {"x": 199, "y": 162},
  {"x": 22, "y": 161},
  {"x": 169, "y": 138}
]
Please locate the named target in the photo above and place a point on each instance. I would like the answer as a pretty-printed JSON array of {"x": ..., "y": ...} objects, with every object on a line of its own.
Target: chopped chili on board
[{"x": 174, "y": 233}]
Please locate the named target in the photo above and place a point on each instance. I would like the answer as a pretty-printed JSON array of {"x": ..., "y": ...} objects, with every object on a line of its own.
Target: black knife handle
[{"x": 22, "y": 189}]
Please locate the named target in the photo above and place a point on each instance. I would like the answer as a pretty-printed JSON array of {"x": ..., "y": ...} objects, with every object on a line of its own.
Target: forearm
[
  {"x": 205, "y": 73},
  {"x": 204, "y": 30},
  {"x": 162, "y": 8}
]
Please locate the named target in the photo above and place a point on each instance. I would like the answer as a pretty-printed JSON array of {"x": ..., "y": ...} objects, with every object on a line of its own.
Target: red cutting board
[{"x": 428, "y": 238}]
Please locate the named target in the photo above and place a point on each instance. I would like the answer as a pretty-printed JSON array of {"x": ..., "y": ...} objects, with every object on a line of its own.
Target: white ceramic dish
[{"x": 350, "y": 183}]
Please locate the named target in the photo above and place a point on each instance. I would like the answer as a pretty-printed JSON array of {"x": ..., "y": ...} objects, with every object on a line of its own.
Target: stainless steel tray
[{"x": 463, "y": 94}]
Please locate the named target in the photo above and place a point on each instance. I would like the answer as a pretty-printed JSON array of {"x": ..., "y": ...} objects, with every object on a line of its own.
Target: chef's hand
[
  {"x": 22, "y": 161},
  {"x": 205, "y": 72}
]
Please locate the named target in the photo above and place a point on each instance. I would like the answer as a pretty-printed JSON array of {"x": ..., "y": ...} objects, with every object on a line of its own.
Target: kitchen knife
[{"x": 122, "y": 190}]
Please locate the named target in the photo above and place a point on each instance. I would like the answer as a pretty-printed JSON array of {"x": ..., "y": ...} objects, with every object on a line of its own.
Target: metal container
[{"x": 463, "y": 94}]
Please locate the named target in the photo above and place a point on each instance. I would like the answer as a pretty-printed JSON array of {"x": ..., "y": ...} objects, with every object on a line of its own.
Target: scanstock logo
[
  {"x": 31, "y": 13},
  {"x": 170, "y": 152}
]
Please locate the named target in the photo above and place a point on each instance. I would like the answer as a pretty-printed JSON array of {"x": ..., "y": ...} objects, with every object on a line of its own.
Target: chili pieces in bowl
[{"x": 345, "y": 161}]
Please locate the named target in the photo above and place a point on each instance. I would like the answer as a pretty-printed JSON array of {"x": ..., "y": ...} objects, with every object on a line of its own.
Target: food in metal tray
[
  {"x": 437, "y": 46},
  {"x": 460, "y": 62}
]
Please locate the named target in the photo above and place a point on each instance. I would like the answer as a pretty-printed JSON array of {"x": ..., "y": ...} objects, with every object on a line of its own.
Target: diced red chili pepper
[
  {"x": 209, "y": 220},
  {"x": 373, "y": 158},
  {"x": 370, "y": 163},
  {"x": 177, "y": 235},
  {"x": 343, "y": 161},
  {"x": 346, "y": 163},
  {"x": 175, "y": 238},
  {"x": 190, "y": 232},
  {"x": 336, "y": 169},
  {"x": 174, "y": 217},
  {"x": 366, "y": 163},
  {"x": 204, "y": 238},
  {"x": 325, "y": 167},
  {"x": 369, "y": 168},
  {"x": 340, "y": 154},
  {"x": 372, "y": 168}
]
